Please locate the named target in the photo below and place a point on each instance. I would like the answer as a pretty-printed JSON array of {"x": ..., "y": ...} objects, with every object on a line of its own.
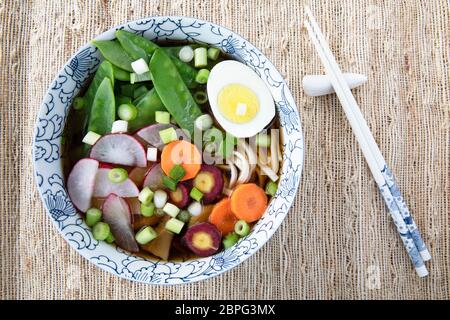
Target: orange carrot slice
[
  {"x": 184, "y": 153},
  {"x": 248, "y": 202},
  {"x": 222, "y": 217}
]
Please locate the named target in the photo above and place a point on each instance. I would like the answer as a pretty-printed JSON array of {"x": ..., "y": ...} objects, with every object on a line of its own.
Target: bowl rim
[{"x": 261, "y": 242}]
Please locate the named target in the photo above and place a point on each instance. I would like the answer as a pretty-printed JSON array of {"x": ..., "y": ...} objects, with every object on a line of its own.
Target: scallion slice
[
  {"x": 200, "y": 57},
  {"x": 202, "y": 76},
  {"x": 213, "y": 53},
  {"x": 145, "y": 235},
  {"x": 127, "y": 112},
  {"x": 117, "y": 175},
  {"x": 101, "y": 231}
]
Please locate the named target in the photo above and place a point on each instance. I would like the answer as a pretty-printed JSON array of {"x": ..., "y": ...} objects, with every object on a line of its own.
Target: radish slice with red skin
[
  {"x": 117, "y": 214},
  {"x": 153, "y": 178},
  {"x": 80, "y": 183},
  {"x": 150, "y": 134},
  {"x": 119, "y": 148},
  {"x": 103, "y": 186}
]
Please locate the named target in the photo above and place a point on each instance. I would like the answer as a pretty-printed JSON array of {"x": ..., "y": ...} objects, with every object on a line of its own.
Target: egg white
[{"x": 230, "y": 72}]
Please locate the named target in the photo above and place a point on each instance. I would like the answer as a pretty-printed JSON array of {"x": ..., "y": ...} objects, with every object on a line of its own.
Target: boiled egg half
[{"x": 240, "y": 101}]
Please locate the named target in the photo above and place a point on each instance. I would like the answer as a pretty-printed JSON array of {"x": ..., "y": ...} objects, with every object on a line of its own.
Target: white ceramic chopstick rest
[{"x": 318, "y": 85}]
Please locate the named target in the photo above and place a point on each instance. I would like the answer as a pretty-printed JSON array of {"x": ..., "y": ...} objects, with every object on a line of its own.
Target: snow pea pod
[
  {"x": 139, "y": 47},
  {"x": 173, "y": 92},
  {"x": 103, "y": 111},
  {"x": 114, "y": 53},
  {"x": 105, "y": 70},
  {"x": 136, "y": 46},
  {"x": 121, "y": 74},
  {"x": 187, "y": 72},
  {"x": 146, "y": 106}
]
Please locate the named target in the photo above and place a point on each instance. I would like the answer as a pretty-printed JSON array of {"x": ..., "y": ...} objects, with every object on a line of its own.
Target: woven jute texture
[{"x": 338, "y": 240}]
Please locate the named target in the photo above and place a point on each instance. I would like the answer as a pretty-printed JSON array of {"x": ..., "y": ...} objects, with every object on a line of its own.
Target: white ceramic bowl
[{"x": 48, "y": 163}]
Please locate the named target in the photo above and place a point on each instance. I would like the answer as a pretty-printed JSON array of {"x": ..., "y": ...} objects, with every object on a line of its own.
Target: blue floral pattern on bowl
[{"x": 48, "y": 163}]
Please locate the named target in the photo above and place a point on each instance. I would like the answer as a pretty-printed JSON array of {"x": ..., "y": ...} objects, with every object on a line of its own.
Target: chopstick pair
[{"x": 406, "y": 227}]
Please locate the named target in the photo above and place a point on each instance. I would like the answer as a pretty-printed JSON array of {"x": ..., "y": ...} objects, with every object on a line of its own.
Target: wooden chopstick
[{"x": 369, "y": 148}]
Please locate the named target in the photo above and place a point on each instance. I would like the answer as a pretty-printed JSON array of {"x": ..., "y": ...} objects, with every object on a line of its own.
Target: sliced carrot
[
  {"x": 222, "y": 217},
  {"x": 248, "y": 202},
  {"x": 184, "y": 153}
]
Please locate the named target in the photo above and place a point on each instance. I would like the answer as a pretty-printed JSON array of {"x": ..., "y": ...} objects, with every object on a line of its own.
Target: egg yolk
[{"x": 237, "y": 103}]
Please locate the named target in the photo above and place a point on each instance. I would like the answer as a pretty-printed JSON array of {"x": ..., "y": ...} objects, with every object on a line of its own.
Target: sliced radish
[
  {"x": 150, "y": 134},
  {"x": 121, "y": 149},
  {"x": 117, "y": 214},
  {"x": 153, "y": 179},
  {"x": 80, "y": 184},
  {"x": 104, "y": 187}
]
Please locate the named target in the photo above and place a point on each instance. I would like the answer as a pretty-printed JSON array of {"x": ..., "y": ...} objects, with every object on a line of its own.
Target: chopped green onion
[
  {"x": 203, "y": 122},
  {"x": 162, "y": 117},
  {"x": 200, "y": 57},
  {"x": 230, "y": 240},
  {"x": 263, "y": 140},
  {"x": 93, "y": 215},
  {"x": 79, "y": 103},
  {"x": 200, "y": 97},
  {"x": 168, "y": 135},
  {"x": 145, "y": 235},
  {"x": 139, "y": 92},
  {"x": 213, "y": 53},
  {"x": 271, "y": 188},
  {"x": 110, "y": 238},
  {"x": 119, "y": 126},
  {"x": 147, "y": 210},
  {"x": 171, "y": 209},
  {"x": 127, "y": 112},
  {"x": 117, "y": 175},
  {"x": 202, "y": 76},
  {"x": 101, "y": 231},
  {"x": 184, "y": 216},
  {"x": 242, "y": 228},
  {"x": 91, "y": 138},
  {"x": 213, "y": 135},
  {"x": 140, "y": 66},
  {"x": 174, "y": 225},
  {"x": 134, "y": 77},
  {"x": 177, "y": 172},
  {"x": 186, "y": 54},
  {"x": 160, "y": 199},
  {"x": 196, "y": 194},
  {"x": 169, "y": 183},
  {"x": 146, "y": 196}
]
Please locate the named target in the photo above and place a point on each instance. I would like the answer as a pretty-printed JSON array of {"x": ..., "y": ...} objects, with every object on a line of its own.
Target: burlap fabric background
[{"x": 338, "y": 237}]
